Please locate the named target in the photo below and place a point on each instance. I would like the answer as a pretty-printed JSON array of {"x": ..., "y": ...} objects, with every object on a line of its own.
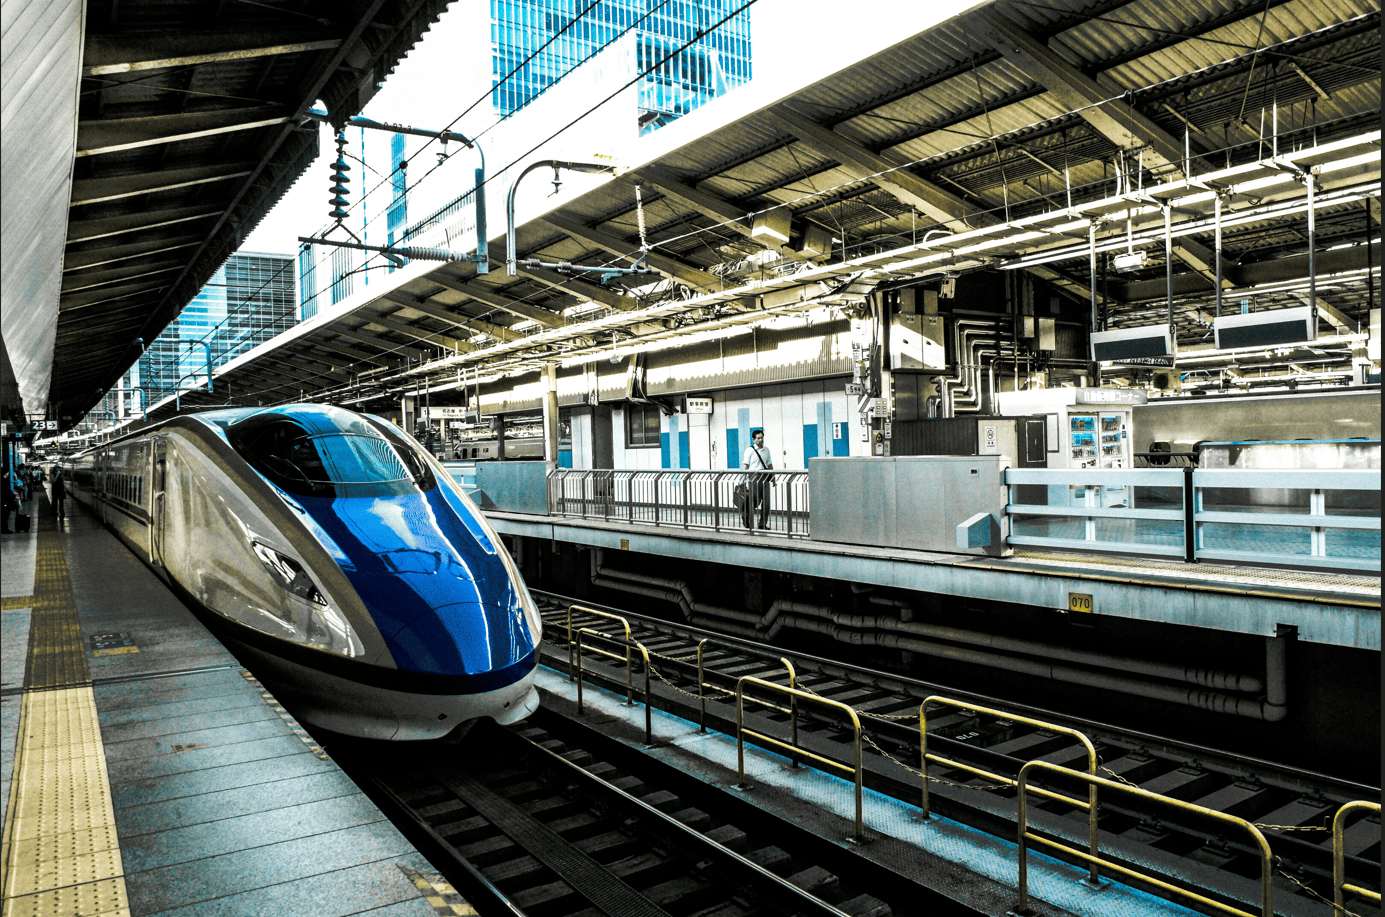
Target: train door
[{"x": 158, "y": 480}]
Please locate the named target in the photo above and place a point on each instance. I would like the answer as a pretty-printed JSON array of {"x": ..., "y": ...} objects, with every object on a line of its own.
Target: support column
[{"x": 550, "y": 414}]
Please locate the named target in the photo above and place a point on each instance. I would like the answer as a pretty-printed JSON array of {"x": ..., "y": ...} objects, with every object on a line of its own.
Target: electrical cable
[{"x": 824, "y": 192}]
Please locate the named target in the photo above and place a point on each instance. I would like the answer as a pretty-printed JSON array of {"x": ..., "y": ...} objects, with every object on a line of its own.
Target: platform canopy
[
  {"x": 143, "y": 141},
  {"x": 993, "y": 140}
]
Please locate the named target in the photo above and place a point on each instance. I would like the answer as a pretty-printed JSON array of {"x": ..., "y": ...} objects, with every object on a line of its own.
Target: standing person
[
  {"x": 757, "y": 458},
  {"x": 59, "y": 494},
  {"x": 8, "y": 504}
]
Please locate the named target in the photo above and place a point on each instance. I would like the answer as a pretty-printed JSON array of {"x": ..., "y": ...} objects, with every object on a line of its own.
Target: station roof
[
  {"x": 993, "y": 140},
  {"x": 144, "y": 140}
]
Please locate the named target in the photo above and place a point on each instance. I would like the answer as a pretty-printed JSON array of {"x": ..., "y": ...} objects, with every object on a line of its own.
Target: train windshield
[{"x": 348, "y": 460}]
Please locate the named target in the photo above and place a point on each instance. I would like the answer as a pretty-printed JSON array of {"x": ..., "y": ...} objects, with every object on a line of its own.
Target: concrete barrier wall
[
  {"x": 512, "y": 487},
  {"x": 913, "y": 502}
]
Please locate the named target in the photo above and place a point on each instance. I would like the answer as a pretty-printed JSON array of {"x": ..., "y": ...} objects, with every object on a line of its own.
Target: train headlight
[
  {"x": 324, "y": 627},
  {"x": 531, "y": 611},
  {"x": 289, "y": 573}
]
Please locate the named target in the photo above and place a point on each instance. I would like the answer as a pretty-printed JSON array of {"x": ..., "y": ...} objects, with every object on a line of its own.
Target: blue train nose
[{"x": 441, "y": 599}]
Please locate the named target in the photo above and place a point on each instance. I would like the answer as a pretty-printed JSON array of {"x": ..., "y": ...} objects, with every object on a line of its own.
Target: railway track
[
  {"x": 553, "y": 820},
  {"x": 970, "y": 748}
]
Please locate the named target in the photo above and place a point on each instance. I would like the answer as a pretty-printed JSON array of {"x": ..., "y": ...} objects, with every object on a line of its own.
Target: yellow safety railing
[
  {"x": 629, "y": 685},
  {"x": 857, "y": 769},
  {"x": 1025, "y": 838},
  {"x": 925, "y": 757},
  {"x": 629, "y": 644},
  {"x": 1339, "y": 857},
  {"x": 702, "y": 695}
]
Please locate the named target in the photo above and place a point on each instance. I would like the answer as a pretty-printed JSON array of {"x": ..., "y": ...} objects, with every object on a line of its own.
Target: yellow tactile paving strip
[{"x": 60, "y": 849}]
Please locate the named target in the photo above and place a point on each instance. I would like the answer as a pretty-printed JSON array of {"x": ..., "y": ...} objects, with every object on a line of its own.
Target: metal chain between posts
[
  {"x": 1324, "y": 899},
  {"x": 913, "y": 770},
  {"x": 722, "y": 691},
  {"x": 1117, "y": 777}
]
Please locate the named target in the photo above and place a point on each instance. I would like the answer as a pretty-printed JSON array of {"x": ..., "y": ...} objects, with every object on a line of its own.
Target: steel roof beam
[
  {"x": 339, "y": 349},
  {"x": 505, "y": 304},
  {"x": 280, "y": 371},
  {"x": 670, "y": 267},
  {"x": 91, "y": 230},
  {"x": 82, "y": 261},
  {"x": 105, "y": 55},
  {"x": 99, "y": 190},
  {"x": 885, "y": 171},
  {"x": 1334, "y": 316},
  {"x": 111, "y": 136},
  {"x": 68, "y": 304},
  {"x": 439, "y": 312},
  {"x": 719, "y": 209},
  {"x": 578, "y": 288},
  {"x": 433, "y": 338},
  {"x": 1277, "y": 270},
  {"x": 385, "y": 344},
  {"x": 75, "y": 283},
  {"x": 1113, "y": 118}
]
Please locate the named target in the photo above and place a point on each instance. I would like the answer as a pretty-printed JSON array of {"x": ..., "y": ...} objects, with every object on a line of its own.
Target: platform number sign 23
[{"x": 1078, "y": 601}]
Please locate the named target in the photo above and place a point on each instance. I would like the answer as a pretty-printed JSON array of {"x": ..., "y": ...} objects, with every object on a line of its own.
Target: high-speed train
[{"x": 337, "y": 559}]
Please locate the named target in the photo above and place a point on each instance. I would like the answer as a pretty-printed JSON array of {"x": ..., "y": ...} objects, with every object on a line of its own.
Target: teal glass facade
[
  {"x": 678, "y": 81},
  {"x": 250, "y": 300}
]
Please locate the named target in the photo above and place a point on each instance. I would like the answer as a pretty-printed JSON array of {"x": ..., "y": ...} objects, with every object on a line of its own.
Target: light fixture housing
[{"x": 1129, "y": 261}]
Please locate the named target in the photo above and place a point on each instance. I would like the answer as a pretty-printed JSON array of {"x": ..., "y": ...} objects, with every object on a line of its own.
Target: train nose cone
[{"x": 463, "y": 638}]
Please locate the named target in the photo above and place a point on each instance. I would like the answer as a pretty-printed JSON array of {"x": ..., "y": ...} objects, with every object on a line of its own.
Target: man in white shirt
[{"x": 757, "y": 458}]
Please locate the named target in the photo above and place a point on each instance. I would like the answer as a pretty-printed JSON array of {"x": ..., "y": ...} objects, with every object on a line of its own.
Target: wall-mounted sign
[
  {"x": 698, "y": 405},
  {"x": 1111, "y": 396}
]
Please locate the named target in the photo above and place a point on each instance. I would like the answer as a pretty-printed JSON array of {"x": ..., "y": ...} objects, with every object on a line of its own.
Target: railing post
[
  {"x": 1317, "y": 536},
  {"x": 579, "y": 673},
  {"x": 793, "y": 712},
  {"x": 1022, "y": 854},
  {"x": 1089, "y": 524},
  {"x": 740, "y": 737},
  {"x": 1339, "y": 876},
  {"x": 788, "y": 505},
  {"x": 1189, "y": 514},
  {"x": 701, "y": 693}
]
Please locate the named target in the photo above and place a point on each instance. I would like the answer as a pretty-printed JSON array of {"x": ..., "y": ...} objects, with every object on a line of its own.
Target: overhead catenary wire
[
  {"x": 992, "y": 139},
  {"x": 808, "y": 196}
]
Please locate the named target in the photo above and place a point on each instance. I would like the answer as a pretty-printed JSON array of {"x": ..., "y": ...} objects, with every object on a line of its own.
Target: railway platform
[
  {"x": 146, "y": 772},
  {"x": 1340, "y": 609}
]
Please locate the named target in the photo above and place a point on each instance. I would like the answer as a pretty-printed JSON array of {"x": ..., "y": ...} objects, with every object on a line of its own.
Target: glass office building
[
  {"x": 679, "y": 78},
  {"x": 250, "y": 299}
]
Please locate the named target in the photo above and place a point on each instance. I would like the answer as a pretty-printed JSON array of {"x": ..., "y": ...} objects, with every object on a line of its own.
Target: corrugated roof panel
[{"x": 42, "y": 58}]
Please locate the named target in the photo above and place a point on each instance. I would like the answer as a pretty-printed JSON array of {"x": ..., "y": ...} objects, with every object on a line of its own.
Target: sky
[{"x": 792, "y": 40}]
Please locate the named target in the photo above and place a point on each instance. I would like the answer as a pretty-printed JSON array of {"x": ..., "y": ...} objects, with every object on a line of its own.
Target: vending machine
[{"x": 1087, "y": 428}]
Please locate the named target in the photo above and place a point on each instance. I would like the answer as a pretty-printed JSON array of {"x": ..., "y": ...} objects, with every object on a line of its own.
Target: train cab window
[{"x": 328, "y": 463}]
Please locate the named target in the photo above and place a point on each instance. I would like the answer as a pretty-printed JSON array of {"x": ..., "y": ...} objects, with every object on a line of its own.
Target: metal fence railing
[
  {"x": 1135, "y": 511},
  {"x": 770, "y": 501},
  {"x": 1308, "y": 517},
  {"x": 1326, "y": 518}
]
